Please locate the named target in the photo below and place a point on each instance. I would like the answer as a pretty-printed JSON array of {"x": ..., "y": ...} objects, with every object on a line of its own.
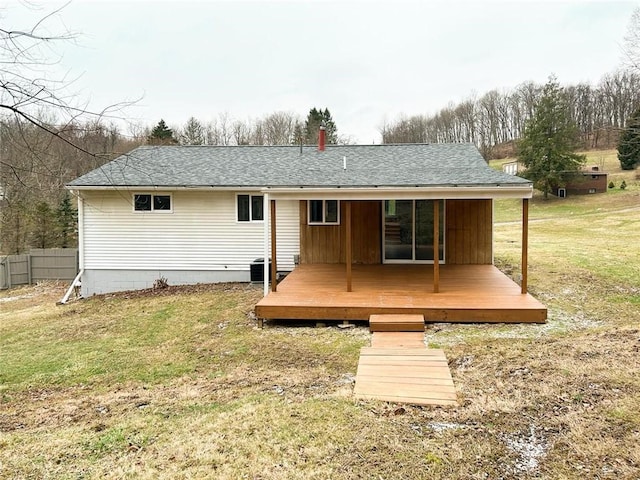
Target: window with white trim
[
  {"x": 324, "y": 212},
  {"x": 148, "y": 202},
  {"x": 250, "y": 208}
]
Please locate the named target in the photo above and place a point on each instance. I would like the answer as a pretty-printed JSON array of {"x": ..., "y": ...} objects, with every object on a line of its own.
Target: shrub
[
  {"x": 611, "y": 184},
  {"x": 623, "y": 185}
]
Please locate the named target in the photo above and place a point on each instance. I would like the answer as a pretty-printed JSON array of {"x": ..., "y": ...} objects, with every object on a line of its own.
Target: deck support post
[
  {"x": 436, "y": 246},
  {"x": 348, "y": 253},
  {"x": 274, "y": 265},
  {"x": 265, "y": 250},
  {"x": 525, "y": 243}
]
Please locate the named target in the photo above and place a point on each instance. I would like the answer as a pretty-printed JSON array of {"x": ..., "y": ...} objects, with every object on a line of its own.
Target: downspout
[
  {"x": 80, "y": 232},
  {"x": 75, "y": 283}
]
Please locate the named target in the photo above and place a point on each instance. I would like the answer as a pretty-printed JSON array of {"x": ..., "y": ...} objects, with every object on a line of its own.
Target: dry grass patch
[{"x": 551, "y": 406}]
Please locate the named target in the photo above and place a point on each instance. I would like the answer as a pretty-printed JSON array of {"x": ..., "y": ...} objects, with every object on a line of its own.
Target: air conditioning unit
[{"x": 256, "y": 270}]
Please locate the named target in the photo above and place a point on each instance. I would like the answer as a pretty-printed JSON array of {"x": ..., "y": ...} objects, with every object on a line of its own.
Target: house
[
  {"x": 512, "y": 168},
  {"x": 583, "y": 182},
  {"x": 361, "y": 228}
]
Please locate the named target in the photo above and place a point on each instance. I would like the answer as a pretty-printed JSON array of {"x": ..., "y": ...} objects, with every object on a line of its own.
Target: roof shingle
[{"x": 403, "y": 165}]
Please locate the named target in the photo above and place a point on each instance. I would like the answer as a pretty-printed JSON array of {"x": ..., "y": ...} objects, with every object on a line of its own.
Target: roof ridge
[{"x": 350, "y": 145}]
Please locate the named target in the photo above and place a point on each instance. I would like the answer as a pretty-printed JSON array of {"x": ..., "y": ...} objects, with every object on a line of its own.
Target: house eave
[
  {"x": 342, "y": 193},
  {"x": 159, "y": 188},
  {"x": 399, "y": 193}
]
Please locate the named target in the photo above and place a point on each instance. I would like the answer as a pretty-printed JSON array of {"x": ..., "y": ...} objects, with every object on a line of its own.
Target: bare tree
[
  {"x": 631, "y": 46},
  {"x": 47, "y": 136},
  {"x": 280, "y": 127},
  {"x": 36, "y": 166},
  {"x": 241, "y": 132},
  {"x": 27, "y": 87},
  {"x": 497, "y": 119}
]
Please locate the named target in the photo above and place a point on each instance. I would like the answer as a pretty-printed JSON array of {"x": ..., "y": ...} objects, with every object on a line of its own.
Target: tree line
[
  {"x": 497, "y": 118},
  {"x": 45, "y": 141},
  {"x": 277, "y": 128},
  {"x": 35, "y": 209},
  {"x": 35, "y": 163}
]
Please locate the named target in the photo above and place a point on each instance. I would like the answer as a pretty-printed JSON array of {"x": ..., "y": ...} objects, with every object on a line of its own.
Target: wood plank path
[{"x": 399, "y": 368}]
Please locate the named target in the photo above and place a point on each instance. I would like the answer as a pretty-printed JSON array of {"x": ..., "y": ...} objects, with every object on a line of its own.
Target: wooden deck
[{"x": 468, "y": 293}]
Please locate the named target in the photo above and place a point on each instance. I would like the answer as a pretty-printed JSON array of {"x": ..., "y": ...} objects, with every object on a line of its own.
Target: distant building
[
  {"x": 584, "y": 183},
  {"x": 511, "y": 168}
]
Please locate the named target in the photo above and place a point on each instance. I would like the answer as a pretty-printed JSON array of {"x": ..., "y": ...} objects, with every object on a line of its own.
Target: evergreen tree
[
  {"x": 43, "y": 233},
  {"x": 629, "y": 143},
  {"x": 161, "y": 135},
  {"x": 193, "y": 133},
  {"x": 315, "y": 119},
  {"x": 547, "y": 147},
  {"x": 66, "y": 219}
]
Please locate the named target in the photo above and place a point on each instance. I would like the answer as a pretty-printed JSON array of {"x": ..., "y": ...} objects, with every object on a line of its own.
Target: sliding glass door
[{"x": 408, "y": 231}]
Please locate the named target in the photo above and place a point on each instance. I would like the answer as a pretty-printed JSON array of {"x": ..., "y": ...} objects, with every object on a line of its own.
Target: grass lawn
[{"x": 182, "y": 384}]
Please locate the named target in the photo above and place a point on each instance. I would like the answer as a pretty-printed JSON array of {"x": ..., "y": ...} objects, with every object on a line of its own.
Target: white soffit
[{"x": 426, "y": 193}]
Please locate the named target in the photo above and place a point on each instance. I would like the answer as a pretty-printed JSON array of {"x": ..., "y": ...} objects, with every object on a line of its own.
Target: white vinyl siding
[{"x": 201, "y": 234}]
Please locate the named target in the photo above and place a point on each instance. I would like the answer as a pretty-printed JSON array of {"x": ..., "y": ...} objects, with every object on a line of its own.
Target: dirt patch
[{"x": 171, "y": 290}]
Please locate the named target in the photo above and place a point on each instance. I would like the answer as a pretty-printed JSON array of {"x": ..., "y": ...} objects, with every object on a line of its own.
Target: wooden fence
[{"x": 38, "y": 265}]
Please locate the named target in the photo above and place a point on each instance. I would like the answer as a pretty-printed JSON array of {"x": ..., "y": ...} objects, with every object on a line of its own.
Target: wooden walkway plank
[
  {"x": 395, "y": 361},
  {"x": 409, "y": 390},
  {"x": 404, "y": 359},
  {"x": 437, "y": 382},
  {"x": 410, "y": 400},
  {"x": 393, "y": 371}
]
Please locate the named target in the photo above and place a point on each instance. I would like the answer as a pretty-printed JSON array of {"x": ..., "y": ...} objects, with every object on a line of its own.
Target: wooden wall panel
[
  {"x": 468, "y": 238},
  {"x": 326, "y": 243}
]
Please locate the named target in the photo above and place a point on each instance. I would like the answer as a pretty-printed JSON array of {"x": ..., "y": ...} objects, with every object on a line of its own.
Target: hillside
[{"x": 181, "y": 383}]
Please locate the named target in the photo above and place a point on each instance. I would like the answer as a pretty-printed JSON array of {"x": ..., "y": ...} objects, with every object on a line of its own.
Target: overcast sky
[{"x": 367, "y": 62}]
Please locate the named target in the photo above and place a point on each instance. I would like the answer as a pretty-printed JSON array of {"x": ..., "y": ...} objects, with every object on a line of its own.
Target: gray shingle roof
[{"x": 406, "y": 165}]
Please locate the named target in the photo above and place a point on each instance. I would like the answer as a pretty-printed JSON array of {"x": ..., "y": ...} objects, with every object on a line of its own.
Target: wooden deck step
[
  {"x": 398, "y": 339},
  {"x": 396, "y": 323}
]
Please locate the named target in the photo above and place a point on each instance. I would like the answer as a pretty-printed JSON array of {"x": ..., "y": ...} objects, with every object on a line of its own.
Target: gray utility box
[{"x": 257, "y": 270}]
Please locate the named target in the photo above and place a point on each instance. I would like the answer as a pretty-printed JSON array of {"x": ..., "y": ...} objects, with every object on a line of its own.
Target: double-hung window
[
  {"x": 147, "y": 202},
  {"x": 250, "y": 208},
  {"x": 324, "y": 212}
]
